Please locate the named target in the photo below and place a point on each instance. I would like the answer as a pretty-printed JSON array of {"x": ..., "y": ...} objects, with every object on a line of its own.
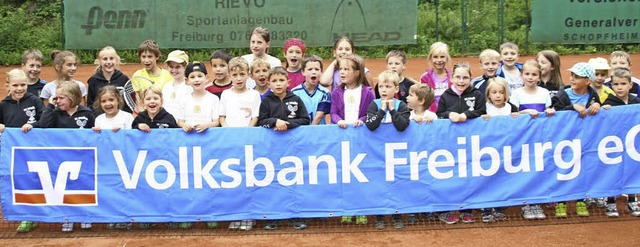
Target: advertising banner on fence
[
  {"x": 93, "y": 24},
  {"x": 585, "y": 21},
  {"x": 316, "y": 171}
]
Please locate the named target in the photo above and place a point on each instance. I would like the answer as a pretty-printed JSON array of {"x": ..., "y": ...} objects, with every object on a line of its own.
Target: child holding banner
[
  {"x": 220, "y": 69},
  {"x": 107, "y": 73},
  {"x": 582, "y": 98},
  {"x": 198, "y": 111},
  {"x": 532, "y": 99},
  {"x": 175, "y": 90},
  {"x": 154, "y": 116},
  {"x": 459, "y": 103},
  {"x": 259, "y": 72},
  {"x": 32, "y": 66},
  {"x": 438, "y": 77},
  {"x": 239, "y": 105},
  {"x": 316, "y": 98},
  {"x": 509, "y": 68},
  {"x": 621, "y": 59},
  {"x": 621, "y": 84},
  {"x": 65, "y": 63},
  {"x": 294, "y": 50},
  {"x": 259, "y": 44}
]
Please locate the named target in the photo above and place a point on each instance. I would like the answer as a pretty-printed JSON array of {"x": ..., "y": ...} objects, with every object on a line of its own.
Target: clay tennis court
[{"x": 596, "y": 230}]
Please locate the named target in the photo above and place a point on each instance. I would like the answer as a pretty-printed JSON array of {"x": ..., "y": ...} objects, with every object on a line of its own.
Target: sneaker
[
  {"x": 26, "y": 226},
  {"x": 212, "y": 224},
  {"x": 346, "y": 219},
  {"x": 271, "y": 225},
  {"x": 85, "y": 225},
  {"x": 499, "y": 215},
  {"x": 126, "y": 226},
  {"x": 581, "y": 209},
  {"x": 299, "y": 225},
  {"x": 146, "y": 225},
  {"x": 487, "y": 217},
  {"x": 235, "y": 225},
  {"x": 172, "y": 225},
  {"x": 601, "y": 202},
  {"x": 431, "y": 217},
  {"x": 67, "y": 227},
  {"x": 538, "y": 212},
  {"x": 561, "y": 210},
  {"x": 612, "y": 210},
  {"x": 397, "y": 221},
  {"x": 361, "y": 220},
  {"x": 185, "y": 225},
  {"x": 247, "y": 225},
  {"x": 467, "y": 218},
  {"x": 527, "y": 212},
  {"x": 449, "y": 218},
  {"x": 412, "y": 219},
  {"x": 380, "y": 224},
  {"x": 634, "y": 209}
]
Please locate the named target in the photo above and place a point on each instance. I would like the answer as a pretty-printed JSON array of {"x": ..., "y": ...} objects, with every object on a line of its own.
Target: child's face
[
  {"x": 497, "y": 96},
  {"x": 152, "y": 102},
  {"x": 149, "y": 60},
  {"x": 396, "y": 64},
  {"x": 259, "y": 74},
  {"x": 343, "y": 49},
  {"x": 109, "y": 104},
  {"x": 69, "y": 67},
  {"x": 258, "y": 45},
  {"x": 619, "y": 62},
  {"x": 312, "y": 72},
  {"x": 32, "y": 68},
  {"x": 439, "y": 60},
  {"x": 278, "y": 84},
  {"x": 490, "y": 66},
  {"x": 294, "y": 57},
  {"x": 620, "y": 86},
  {"x": 545, "y": 65},
  {"x": 530, "y": 76},
  {"x": 387, "y": 89},
  {"x": 579, "y": 83},
  {"x": 239, "y": 77},
  {"x": 461, "y": 79},
  {"x": 198, "y": 80},
  {"x": 108, "y": 62},
  {"x": 220, "y": 69},
  {"x": 176, "y": 70},
  {"x": 413, "y": 102},
  {"x": 63, "y": 101},
  {"x": 347, "y": 73},
  {"x": 509, "y": 56},
  {"x": 601, "y": 75},
  {"x": 17, "y": 88}
]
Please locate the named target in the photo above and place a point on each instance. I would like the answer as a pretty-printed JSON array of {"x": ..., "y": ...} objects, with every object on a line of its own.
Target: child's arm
[
  {"x": 324, "y": 107},
  {"x": 183, "y": 124},
  {"x": 375, "y": 115},
  {"x": 400, "y": 116},
  {"x": 442, "y": 109},
  {"x": 253, "y": 122},
  {"x": 319, "y": 116},
  {"x": 337, "y": 107},
  {"x": 563, "y": 103},
  {"x": 48, "y": 119},
  {"x": 223, "y": 121},
  {"x": 326, "y": 79},
  {"x": 264, "y": 118}
]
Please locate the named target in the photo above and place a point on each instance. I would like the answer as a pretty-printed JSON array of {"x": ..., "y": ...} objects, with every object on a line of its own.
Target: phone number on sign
[{"x": 275, "y": 35}]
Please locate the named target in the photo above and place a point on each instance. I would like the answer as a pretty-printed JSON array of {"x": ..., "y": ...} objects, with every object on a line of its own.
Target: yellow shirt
[
  {"x": 162, "y": 78},
  {"x": 605, "y": 93}
]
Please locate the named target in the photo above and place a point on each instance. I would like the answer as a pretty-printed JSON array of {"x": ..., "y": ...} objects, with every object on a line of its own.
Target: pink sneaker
[
  {"x": 467, "y": 218},
  {"x": 449, "y": 218}
]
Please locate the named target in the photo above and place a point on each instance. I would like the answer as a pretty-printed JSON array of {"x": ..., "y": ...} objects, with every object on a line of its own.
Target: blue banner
[{"x": 54, "y": 175}]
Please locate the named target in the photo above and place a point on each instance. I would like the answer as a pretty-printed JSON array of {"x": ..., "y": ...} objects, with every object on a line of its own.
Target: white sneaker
[
  {"x": 527, "y": 213},
  {"x": 538, "y": 212},
  {"x": 85, "y": 225},
  {"x": 67, "y": 227},
  {"x": 601, "y": 202},
  {"x": 612, "y": 210},
  {"x": 634, "y": 209},
  {"x": 235, "y": 225},
  {"x": 247, "y": 225}
]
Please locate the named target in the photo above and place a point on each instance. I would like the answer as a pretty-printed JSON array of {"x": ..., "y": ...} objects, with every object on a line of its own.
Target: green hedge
[{"x": 28, "y": 24}]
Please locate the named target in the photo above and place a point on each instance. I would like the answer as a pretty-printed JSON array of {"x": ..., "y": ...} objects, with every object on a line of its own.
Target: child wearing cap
[
  {"x": 582, "y": 98},
  {"x": 175, "y": 90},
  {"x": 294, "y": 50},
  {"x": 602, "y": 72},
  {"x": 198, "y": 109}
]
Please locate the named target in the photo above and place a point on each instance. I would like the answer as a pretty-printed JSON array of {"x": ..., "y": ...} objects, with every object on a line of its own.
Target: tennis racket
[{"x": 132, "y": 92}]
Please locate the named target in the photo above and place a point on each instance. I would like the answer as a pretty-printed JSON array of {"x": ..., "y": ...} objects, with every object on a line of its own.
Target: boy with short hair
[
  {"x": 198, "y": 110},
  {"x": 622, "y": 59},
  {"x": 388, "y": 109},
  {"x": 260, "y": 68},
  {"x": 220, "y": 69},
  {"x": 149, "y": 54},
  {"x": 582, "y": 98},
  {"x": 32, "y": 67},
  {"x": 421, "y": 96},
  {"x": 281, "y": 109},
  {"x": 621, "y": 84},
  {"x": 397, "y": 62},
  {"x": 489, "y": 62},
  {"x": 175, "y": 90},
  {"x": 316, "y": 98},
  {"x": 239, "y": 105},
  {"x": 509, "y": 67}
]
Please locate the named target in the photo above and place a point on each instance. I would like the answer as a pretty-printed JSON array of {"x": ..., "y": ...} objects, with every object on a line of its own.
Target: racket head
[{"x": 133, "y": 91}]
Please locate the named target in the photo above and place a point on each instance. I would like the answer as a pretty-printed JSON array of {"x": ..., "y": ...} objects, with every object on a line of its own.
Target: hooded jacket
[
  {"x": 290, "y": 109},
  {"x": 27, "y": 110},
  {"x": 471, "y": 102},
  {"x": 52, "y": 117},
  {"x": 564, "y": 102},
  {"x": 97, "y": 81},
  {"x": 162, "y": 120},
  {"x": 615, "y": 101}
]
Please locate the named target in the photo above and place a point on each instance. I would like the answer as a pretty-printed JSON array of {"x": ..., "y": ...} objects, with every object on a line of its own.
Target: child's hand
[
  {"x": 515, "y": 114},
  {"x": 550, "y": 112},
  {"x": 429, "y": 119},
  {"x": 115, "y": 129},
  {"x": 187, "y": 128},
  {"x": 144, "y": 127},
  {"x": 2, "y": 128},
  {"x": 358, "y": 123},
  {"x": 454, "y": 117},
  {"x": 606, "y": 107},
  {"x": 462, "y": 117},
  {"x": 486, "y": 116},
  {"x": 390, "y": 104},
  {"x": 342, "y": 124},
  {"x": 25, "y": 128},
  {"x": 594, "y": 109},
  {"x": 418, "y": 119},
  {"x": 384, "y": 105},
  {"x": 533, "y": 113},
  {"x": 200, "y": 127},
  {"x": 281, "y": 125},
  {"x": 96, "y": 129},
  {"x": 581, "y": 110},
  {"x": 247, "y": 110}
]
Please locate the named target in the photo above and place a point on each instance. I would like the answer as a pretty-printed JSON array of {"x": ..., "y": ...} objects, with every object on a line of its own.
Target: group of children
[{"x": 255, "y": 90}]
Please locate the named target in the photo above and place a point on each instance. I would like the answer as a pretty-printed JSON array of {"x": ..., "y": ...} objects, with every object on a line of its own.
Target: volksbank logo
[
  {"x": 54, "y": 176},
  {"x": 111, "y": 19}
]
